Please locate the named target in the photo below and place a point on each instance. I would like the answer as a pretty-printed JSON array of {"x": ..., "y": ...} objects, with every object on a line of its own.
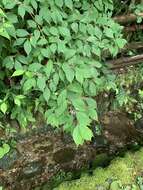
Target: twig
[
  {"x": 127, "y": 18},
  {"x": 133, "y": 28},
  {"x": 133, "y": 46},
  {"x": 125, "y": 61}
]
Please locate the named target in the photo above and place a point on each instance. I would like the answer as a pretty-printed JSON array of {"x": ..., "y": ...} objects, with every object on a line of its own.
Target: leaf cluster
[{"x": 51, "y": 61}]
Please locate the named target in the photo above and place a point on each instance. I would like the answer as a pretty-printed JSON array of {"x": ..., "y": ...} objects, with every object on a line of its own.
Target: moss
[{"x": 125, "y": 170}]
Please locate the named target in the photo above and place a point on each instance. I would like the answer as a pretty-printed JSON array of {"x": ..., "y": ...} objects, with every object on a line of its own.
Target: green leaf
[
  {"x": 1, "y": 152},
  {"x": 21, "y": 10},
  {"x": 34, "y": 4},
  {"x": 86, "y": 133},
  {"x": 115, "y": 185},
  {"x": 77, "y": 136},
  {"x": 54, "y": 31},
  {"x": 113, "y": 50},
  {"x": 91, "y": 103},
  {"x": 62, "y": 97},
  {"x": 27, "y": 47},
  {"x": 59, "y": 3},
  {"x": 79, "y": 75},
  {"x": 82, "y": 118},
  {"x": 64, "y": 31},
  {"x": 69, "y": 72},
  {"x": 8, "y": 62},
  {"x": 41, "y": 83},
  {"x": 17, "y": 101},
  {"x": 42, "y": 42},
  {"x": 69, "y": 4},
  {"x": 2, "y": 13},
  {"x": 29, "y": 74},
  {"x": 4, "y": 150},
  {"x": 98, "y": 32},
  {"x": 37, "y": 34},
  {"x": 96, "y": 50},
  {"x": 46, "y": 94},
  {"x": 121, "y": 42},
  {"x": 53, "y": 120},
  {"x": 34, "y": 67},
  {"x": 61, "y": 47},
  {"x": 139, "y": 19},
  {"x": 140, "y": 93},
  {"x": 29, "y": 83},
  {"x": 19, "y": 41},
  {"x": 33, "y": 41},
  {"x": 54, "y": 17},
  {"x": 92, "y": 89},
  {"x": 83, "y": 28},
  {"x": 4, "y": 33},
  {"x": 97, "y": 64},
  {"x": 21, "y": 33},
  {"x": 75, "y": 87},
  {"x": 53, "y": 48},
  {"x": 3, "y": 107},
  {"x": 9, "y": 4},
  {"x": 11, "y": 31},
  {"x": 61, "y": 75},
  {"x": 39, "y": 19},
  {"x": 46, "y": 52},
  {"x": 93, "y": 114},
  {"x": 108, "y": 32},
  {"x": 31, "y": 24},
  {"x": 48, "y": 69},
  {"x": 79, "y": 104},
  {"x": 94, "y": 73},
  {"x": 18, "y": 73},
  {"x": 56, "y": 78},
  {"x": 89, "y": 72},
  {"x": 74, "y": 27},
  {"x": 61, "y": 109},
  {"x": 69, "y": 53},
  {"x": 20, "y": 97}
]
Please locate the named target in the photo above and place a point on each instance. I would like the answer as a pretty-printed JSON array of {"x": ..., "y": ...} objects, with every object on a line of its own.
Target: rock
[
  {"x": 31, "y": 169},
  {"x": 122, "y": 173},
  {"x": 139, "y": 125},
  {"x": 64, "y": 155},
  {"x": 44, "y": 153},
  {"x": 118, "y": 129},
  {"x": 9, "y": 159},
  {"x": 39, "y": 157}
]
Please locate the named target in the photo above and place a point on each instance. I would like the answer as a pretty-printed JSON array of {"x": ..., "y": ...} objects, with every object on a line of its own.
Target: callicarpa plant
[{"x": 51, "y": 61}]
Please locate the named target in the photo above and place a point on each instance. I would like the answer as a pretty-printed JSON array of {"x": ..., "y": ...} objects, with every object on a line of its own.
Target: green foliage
[
  {"x": 51, "y": 61},
  {"x": 129, "y": 94},
  {"x": 4, "y": 149},
  {"x": 137, "y": 9}
]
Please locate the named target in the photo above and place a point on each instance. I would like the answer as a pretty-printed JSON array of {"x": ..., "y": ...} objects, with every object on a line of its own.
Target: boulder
[{"x": 43, "y": 153}]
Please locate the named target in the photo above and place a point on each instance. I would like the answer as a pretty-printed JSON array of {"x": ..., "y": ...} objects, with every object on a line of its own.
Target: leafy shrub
[{"x": 51, "y": 61}]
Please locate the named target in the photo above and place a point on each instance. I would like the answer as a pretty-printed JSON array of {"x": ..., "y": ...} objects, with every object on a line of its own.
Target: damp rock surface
[
  {"x": 44, "y": 153},
  {"x": 122, "y": 173}
]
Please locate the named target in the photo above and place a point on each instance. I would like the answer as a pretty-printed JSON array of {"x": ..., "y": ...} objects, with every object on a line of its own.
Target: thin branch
[
  {"x": 124, "y": 19},
  {"x": 133, "y": 46},
  {"x": 125, "y": 61},
  {"x": 133, "y": 28}
]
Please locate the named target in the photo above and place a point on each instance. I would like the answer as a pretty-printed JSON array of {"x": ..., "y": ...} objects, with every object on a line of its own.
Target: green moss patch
[{"x": 123, "y": 173}]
